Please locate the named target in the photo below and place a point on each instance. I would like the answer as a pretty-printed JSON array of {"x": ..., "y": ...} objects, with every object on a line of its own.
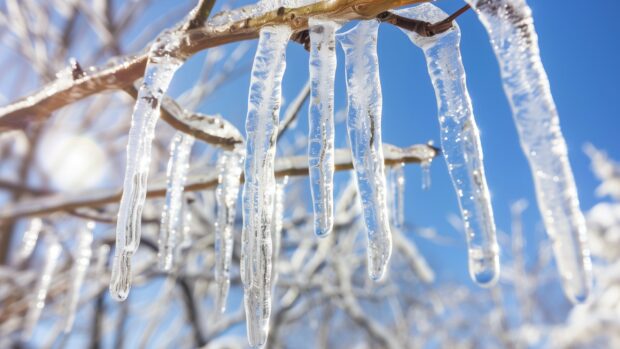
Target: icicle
[
  {"x": 82, "y": 261},
  {"x": 426, "y": 174},
  {"x": 396, "y": 199},
  {"x": 460, "y": 142},
  {"x": 515, "y": 42},
  {"x": 321, "y": 118},
  {"x": 171, "y": 217},
  {"x": 364, "y": 129},
  {"x": 259, "y": 187},
  {"x": 229, "y": 168},
  {"x": 278, "y": 216},
  {"x": 36, "y": 306},
  {"x": 29, "y": 241},
  {"x": 159, "y": 71}
]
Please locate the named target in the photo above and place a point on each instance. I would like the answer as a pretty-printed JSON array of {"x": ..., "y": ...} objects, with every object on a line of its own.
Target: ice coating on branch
[
  {"x": 364, "y": 130},
  {"x": 29, "y": 241},
  {"x": 321, "y": 119},
  {"x": 396, "y": 198},
  {"x": 36, "y": 305},
  {"x": 171, "y": 216},
  {"x": 460, "y": 141},
  {"x": 81, "y": 262},
  {"x": 259, "y": 187},
  {"x": 229, "y": 166},
  {"x": 160, "y": 69},
  {"x": 511, "y": 29}
]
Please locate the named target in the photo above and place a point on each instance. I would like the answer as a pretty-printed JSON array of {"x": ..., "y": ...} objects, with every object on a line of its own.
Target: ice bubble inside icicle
[
  {"x": 259, "y": 188},
  {"x": 514, "y": 39},
  {"x": 229, "y": 167},
  {"x": 161, "y": 66},
  {"x": 364, "y": 131},
  {"x": 171, "y": 217},
  {"x": 460, "y": 141},
  {"x": 321, "y": 118}
]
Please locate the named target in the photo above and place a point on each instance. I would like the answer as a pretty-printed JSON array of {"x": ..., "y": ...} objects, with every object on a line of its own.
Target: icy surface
[
  {"x": 171, "y": 217},
  {"x": 278, "y": 218},
  {"x": 229, "y": 168},
  {"x": 29, "y": 241},
  {"x": 511, "y": 29},
  {"x": 460, "y": 141},
  {"x": 159, "y": 71},
  {"x": 82, "y": 258},
  {"x": 364, "y": 130},
  {"x": 53, "y": 250},
  {"x": 259, "y": 187},
  {"x": 321, "y": 118}
]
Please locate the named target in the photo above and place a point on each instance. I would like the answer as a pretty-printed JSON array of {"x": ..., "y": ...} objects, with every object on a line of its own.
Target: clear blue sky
[{"x": 579, "y": 47}]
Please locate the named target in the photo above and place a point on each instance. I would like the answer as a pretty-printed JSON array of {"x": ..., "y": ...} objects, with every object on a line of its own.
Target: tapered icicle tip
[
  {"x": 121, "y": 280},
  {"x": 322, "y": 231},
  {"x": 483, "y": 267}
]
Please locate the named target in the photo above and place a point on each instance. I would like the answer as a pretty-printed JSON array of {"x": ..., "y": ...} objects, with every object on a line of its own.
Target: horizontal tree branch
[
  {"x": 287, "y": 166},
  {"x": 60, "y": 93}
]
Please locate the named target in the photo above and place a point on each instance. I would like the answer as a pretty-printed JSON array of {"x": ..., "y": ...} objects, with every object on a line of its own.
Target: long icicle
[
  {"x": 259, "y": 187},
  {"x": 510, "y": 26},
  {"x": 321, "y": 118},
  {"x": 460, "y": 141},
  {"x": 40, "y": 295},
  {"x": 364, "y": 130},
  {"x": 159, "y": 71},
  {"x": 80, "y": 266},
  {"x": 171, "y": 216},
  {"x": 229, "y": 168}
]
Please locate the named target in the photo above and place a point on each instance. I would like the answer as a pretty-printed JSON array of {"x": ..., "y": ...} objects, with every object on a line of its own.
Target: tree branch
[
  {"x": 58, "y": 94},
  {"x": 288, "y": 166}
]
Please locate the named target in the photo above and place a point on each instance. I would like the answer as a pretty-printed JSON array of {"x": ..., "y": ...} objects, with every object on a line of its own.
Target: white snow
[
  {"x": 364, "y": 130},
  {"x": 460, "y": 141}
]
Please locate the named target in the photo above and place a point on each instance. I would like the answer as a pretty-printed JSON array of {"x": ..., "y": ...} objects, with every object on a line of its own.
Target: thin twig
[
  {"x": 287, "y": 166},
  {"x": 41, "y": 104}
]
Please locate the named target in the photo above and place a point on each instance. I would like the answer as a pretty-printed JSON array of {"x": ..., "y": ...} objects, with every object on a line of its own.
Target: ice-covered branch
[
  {"x": 288, "y": 166},
  {"x": 57, "y": 94}
]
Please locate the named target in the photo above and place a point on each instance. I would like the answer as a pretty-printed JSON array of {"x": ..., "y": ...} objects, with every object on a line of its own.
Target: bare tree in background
[{"x": 322, "y": 296}]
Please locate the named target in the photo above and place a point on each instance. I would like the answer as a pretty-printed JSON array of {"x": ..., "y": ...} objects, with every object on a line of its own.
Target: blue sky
[{"x": 579, "y": 49}]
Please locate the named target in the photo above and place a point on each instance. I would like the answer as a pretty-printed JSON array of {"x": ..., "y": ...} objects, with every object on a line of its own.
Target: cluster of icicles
[{"x": 509, "y": 24}]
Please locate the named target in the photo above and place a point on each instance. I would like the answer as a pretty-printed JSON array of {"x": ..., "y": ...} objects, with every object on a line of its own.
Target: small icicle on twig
[
  {"x": 364, "y": 130},
  {"x": 259, "y": 188},
  {"x": 29, "y": 241},
  {"x": 161, "y": 66},
  {"x": 81, "y": 262},
  {"x": 511, "y": 29},
  {"x": 321, "y": 118},
  {"x": 171, "y": 217},
  {"x": 396, "y": 199},
  {"x": 460, "y": 141},
  {"x": 40, "y": 295},
  {"x": 229, "y": 166}
]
